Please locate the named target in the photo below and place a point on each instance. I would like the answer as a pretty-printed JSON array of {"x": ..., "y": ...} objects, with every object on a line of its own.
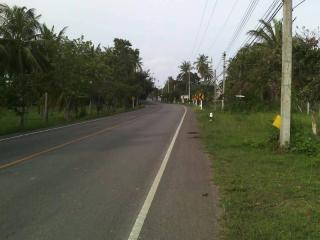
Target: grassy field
[
  {"x": 9, "y": 120},
  {"x": 265, "y": 194}
]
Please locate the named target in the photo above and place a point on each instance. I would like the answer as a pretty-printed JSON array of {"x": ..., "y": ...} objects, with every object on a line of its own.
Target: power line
[
  {"x": 274, "y": 13},
  {"x": 208, "y": 24},
  {"x": 261, "y": 28},
  {"x": 297, "y": 5},
  {"x": 252, "y": 5},
  {"x": 247, "y": 14},
  {"x": 200, "y": 25},
  {"x": 264, "y": 17},
  {"x": 223, "y": 26},
  {"x": 270, "y": 14}
]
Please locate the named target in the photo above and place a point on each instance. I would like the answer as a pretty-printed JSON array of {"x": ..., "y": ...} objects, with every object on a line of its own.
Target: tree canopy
[
  {"x": 255, "y": 71},
  {"x": 75, "y": 73}
]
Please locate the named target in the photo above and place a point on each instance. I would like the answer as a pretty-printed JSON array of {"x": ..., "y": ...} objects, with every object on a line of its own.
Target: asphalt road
[{"x": 91, "y": 180}]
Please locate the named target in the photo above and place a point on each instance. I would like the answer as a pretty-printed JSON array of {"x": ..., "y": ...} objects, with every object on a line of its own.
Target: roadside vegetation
[
  {"x": 34, "y": 120},
  {"x": 265, "y": 193},
  {"x": 255, "y": 71},
  {"x": 44, "y": 74},
  {"x": 201, "y": 80}
]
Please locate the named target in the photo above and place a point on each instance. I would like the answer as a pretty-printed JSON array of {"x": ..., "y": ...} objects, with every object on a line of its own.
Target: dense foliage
[
  {"x": 255, "y": 71},
  {"x": 76, "y": 74}
]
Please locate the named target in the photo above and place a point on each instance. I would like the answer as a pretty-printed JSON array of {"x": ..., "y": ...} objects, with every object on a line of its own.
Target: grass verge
[
  {"x": 265, "y": 194},
  {"x": 33, "y": 121}
]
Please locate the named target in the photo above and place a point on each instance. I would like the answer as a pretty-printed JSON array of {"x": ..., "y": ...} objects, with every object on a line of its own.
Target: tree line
[
  {"x": 202, "y": 80},
  {"x": 74, "y": 75},
  {"x": 255, "y": 71}
]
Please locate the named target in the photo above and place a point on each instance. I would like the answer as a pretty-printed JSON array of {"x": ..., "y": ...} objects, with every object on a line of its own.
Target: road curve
[{"x": 90, "y": 181}]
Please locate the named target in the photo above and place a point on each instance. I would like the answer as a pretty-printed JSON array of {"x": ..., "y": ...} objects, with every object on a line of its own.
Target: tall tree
[
  {"x": 49, "y": 46},
  {"x": 269, "y": 33},
  {"x": 18, "y": 35},
  {"x": 204, "y": 68},
  {"x": 185, "y": 69}
]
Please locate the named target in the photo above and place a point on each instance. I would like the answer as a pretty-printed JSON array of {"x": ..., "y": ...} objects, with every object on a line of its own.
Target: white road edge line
[
  {"x": 136, "y": 229},
  {"x": 54, "y": 128}
]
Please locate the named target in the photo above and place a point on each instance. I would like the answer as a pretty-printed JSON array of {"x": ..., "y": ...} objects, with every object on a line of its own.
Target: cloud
[{"x": 162, "y": 67}]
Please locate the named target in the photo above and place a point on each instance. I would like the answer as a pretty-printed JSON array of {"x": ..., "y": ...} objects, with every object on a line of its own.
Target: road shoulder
[{"x": 186, "y": 203}]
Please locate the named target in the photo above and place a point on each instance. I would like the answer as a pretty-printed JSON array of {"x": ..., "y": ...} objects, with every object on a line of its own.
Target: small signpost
[
  {"x": 277, "y": 122},
  {"x": 198, "y": 97}
]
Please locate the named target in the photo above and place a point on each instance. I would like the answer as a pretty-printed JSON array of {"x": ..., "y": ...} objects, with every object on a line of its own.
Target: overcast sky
[{"x": 165, "y": 31}]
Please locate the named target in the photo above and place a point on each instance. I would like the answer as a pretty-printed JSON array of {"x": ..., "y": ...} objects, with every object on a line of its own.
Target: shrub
[{"x": 302, "y": 139}]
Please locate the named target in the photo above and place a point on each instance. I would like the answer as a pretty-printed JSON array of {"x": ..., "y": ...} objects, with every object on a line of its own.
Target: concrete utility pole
[
  {"x": 189, "y": 87},
  {"x": 224, "y": 79},
  {"x": 286, "y": 73}
]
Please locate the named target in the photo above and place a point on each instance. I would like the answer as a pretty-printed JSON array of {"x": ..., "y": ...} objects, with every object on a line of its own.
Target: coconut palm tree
[
  {"x": 269, "y": 37},
  {"x": 204, "y": 68},
  {"x": 185, "y": 69},
  {"x": 49, "y": 40},
  {"x": 137, "y": 60},
  {"x": 18, "y": 33},
  {"x": 48, "y": 50},
  {"x": 270, "y": 33},
  {"x": 201, "y": 65},
  {"x": 18, "y": 36}
]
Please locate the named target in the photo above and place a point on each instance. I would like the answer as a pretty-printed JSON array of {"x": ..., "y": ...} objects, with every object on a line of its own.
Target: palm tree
[
  {"x": 137, "y": 60},
  {"x": 185, "y": 69},
  {"x": 269, "y": 34},
  {"x": 184, "y": 75},
  {"x": 201, "y": 65},
  {"x": 50, "y": 40},
  {"x": 49, "y": 44},
  {"x": 204, "y": 68},
  {"x": 18, "y": 35},
  {"x": 171, "y": 84},
  {"x": 270, "y": 42}
]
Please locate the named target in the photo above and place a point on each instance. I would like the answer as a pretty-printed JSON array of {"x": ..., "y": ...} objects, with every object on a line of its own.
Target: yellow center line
[{"x": 37, "y": 154}]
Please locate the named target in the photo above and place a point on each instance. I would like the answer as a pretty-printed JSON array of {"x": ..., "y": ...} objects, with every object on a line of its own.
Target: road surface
[{"x": 136, "y": 175}]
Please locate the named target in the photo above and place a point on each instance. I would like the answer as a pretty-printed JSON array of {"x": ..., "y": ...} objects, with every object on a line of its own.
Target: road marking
[
  {"x": 51, "y": 129},
  {"x": 136, "y": 229},
  {"x": 37, "y": 154},
  {"x": 55, "y": 128}
]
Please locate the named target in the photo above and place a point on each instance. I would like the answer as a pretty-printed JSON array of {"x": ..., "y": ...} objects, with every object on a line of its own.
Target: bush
[{"x": 302, "y": 139}]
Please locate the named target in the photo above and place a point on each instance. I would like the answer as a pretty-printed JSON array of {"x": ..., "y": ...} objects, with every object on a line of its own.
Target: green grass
[
  {"x": 9, "y": 120},
  {"x": 264, "y": 194}
]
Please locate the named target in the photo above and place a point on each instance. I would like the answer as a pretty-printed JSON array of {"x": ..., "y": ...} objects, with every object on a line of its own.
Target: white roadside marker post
[{"x": 210, "y": 117}]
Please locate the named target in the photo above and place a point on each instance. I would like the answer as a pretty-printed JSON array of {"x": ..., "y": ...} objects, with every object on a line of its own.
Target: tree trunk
[
  {"x": 90, "y": 107},
  {"x": 21, "y": 120},
  {"x": 67, "y": 110},
  {"x": 45, "y": 113},
  {"x": 314, "y": 123},
  {"x": 21, "y": 117}
]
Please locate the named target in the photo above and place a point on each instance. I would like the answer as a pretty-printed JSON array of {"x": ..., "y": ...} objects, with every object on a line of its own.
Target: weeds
[{"x": 266, "y": 194}]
